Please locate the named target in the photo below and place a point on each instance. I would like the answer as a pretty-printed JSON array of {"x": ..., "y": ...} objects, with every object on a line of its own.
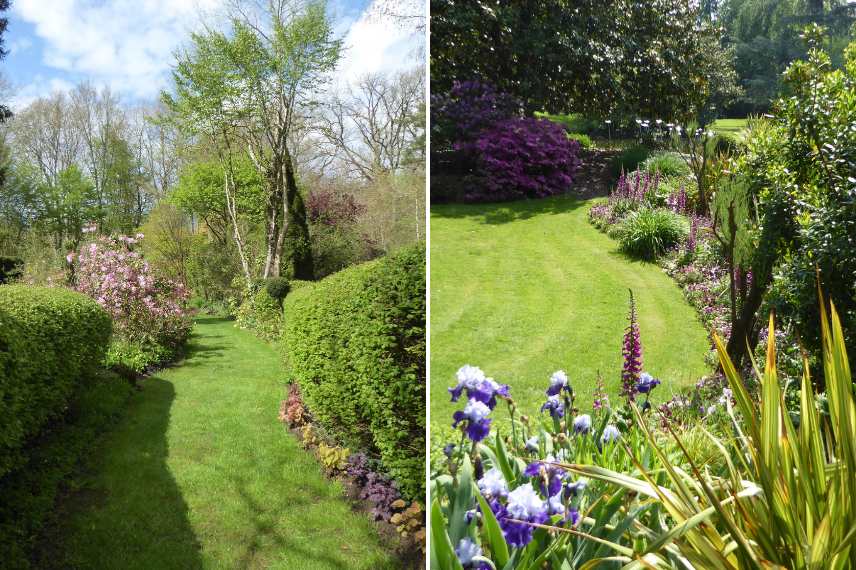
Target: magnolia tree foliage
[
  {"x": 146, "y": 308},
  {"x": 655, "y": 58}
]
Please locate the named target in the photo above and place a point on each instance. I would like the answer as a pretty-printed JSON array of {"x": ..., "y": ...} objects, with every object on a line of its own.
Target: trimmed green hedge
[
  {"x": 355, "y": 342},
  {"x": 50, "y": 340},
  {"x": 30, "y": 491}
]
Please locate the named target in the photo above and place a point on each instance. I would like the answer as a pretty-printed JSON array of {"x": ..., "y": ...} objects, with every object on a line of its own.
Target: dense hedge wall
[
  {"x": 50, "y": 339},
  {"x": 355, "y": 342}
]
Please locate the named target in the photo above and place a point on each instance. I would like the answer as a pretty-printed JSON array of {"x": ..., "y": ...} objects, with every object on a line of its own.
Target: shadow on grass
[
  {"x": 128, "y": 511},
  {"x": 505, "y": 212}
]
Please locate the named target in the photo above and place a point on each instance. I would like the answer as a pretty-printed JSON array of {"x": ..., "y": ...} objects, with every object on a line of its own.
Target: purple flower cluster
[
  {"x": 482, "y": 393},
  {"x": 467, "y": 109},
  {"x": 523, "y": 158},
  {"x": 331, "y": 208},
  {"x": 677, "y": 201},
  {"x": 632, "y": 353},
  {"x": 548, "y": 492},
  {"x": 635, "y": 186}
]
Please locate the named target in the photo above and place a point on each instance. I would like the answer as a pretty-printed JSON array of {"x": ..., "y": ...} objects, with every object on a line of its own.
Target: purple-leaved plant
[
  {"x": 632, "y": 352},
  {"x": 375, "y": 487}
]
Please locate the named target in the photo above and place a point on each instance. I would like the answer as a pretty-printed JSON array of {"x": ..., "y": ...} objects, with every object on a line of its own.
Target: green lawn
[
  {"x": 200, "y": 474},
  {"x": 731, "y": 126},
  {"x": 525, "y": 288}
]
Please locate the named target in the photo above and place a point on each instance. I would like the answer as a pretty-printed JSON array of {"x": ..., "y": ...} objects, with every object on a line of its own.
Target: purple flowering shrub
[
  {"x": 469, "y": 108},
  {"x": 522, "y": 158},
  {"x": 148, "y": 311}
]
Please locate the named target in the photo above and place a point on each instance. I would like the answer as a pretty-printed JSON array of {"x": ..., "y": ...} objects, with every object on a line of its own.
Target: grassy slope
[
  {"x": 199, "y": 474},
  {"x": 526, "y": 288},
  {"x": 733, "y": 126}
]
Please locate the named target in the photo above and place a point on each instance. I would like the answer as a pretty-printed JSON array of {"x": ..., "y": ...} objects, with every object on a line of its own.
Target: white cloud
[
  {"x": 378, "y": 45},
  {"x": 40, "y": 86},
  {"x": 126, "y": 44},
  {"x": 19, "y": 45}
]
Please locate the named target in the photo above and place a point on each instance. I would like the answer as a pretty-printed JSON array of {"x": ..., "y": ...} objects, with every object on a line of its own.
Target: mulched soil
[{"x": 594, "y": 179}]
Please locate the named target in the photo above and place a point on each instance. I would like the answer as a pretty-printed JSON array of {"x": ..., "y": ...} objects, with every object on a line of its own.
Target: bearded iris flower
[
  {"x": 493, "y": 484},
  {"x": 558, "y": 383},
  {"x": 524, "y": 504},
  {"x": 477, "y": 386},
  {"x": 582, "y": 424},
  {"x": 555, "y": 406},
  {"x": 646, "y": 383},
  {"x": 475, "y": 415},
  {"x": 610, "y": 433}
]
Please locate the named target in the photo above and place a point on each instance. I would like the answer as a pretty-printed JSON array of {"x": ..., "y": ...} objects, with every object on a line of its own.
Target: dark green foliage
[
  {"x": 648, "y": 233},
  {"x": 574, "y": 122},
  {"x": 50, "y": 339},
  {"x": 30, "y": 491},
  {"x": 277, "y": 288},
  {"x": 629, "y": 160},
  {"x": 10, "y": 268},
  {"x": 765, "y": 35},
  {"x": 657, "y": 58},
  {"x": 355, "y": 342}
]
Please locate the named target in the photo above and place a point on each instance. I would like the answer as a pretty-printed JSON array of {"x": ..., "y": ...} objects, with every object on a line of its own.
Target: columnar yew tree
[{"x": 247, "y": 90}]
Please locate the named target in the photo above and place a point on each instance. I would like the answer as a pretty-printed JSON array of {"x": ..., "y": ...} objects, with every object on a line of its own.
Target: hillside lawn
[{"x": 525, "y": 288}]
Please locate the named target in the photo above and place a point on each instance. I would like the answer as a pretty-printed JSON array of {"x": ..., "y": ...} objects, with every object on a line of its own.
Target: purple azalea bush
[
  {"x": 469, "y": 108},
  {"x": 522, "y": 158}
]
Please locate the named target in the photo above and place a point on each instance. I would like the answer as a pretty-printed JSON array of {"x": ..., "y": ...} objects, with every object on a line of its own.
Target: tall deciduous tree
[
  {"x": 372, "y": 128},
  {"x": 248, "y": 90}
]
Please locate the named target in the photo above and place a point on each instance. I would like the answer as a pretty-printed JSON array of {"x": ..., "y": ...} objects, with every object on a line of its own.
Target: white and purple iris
[
  {"x": 582, "y": 424},
  {"x": 477, "y": 386},
  {"x": 555, "y": 406},
  {"x": 493, "y": 485},
  {"x": 524, "y": 505},
  {"x": 475, "y": 414},
  {"x": 558, "y": 383},
  {"x": 646, "y": 383},
  {"x": 610, "y": 433}
]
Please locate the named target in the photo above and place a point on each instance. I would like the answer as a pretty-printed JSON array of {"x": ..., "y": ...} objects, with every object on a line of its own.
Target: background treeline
[
  {"x": 82, "y": 161},
  {"x": 666, "y": 59}
]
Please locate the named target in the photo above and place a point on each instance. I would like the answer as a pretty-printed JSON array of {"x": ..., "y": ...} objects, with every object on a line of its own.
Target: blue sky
[{"x": 128, "y": 44}]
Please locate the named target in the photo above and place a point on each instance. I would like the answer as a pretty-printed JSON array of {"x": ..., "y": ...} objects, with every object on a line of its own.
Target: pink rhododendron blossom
[{"x": 145, "y": 307}]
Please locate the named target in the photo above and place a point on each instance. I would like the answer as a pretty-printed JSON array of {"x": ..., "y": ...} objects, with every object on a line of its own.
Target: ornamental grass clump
[
  {"x": 788, "y": 495},
  {"x": 648, "y": 233}
]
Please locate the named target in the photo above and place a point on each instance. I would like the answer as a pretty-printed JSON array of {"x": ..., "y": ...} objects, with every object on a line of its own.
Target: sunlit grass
[
  {"x": 525, "y": 288},
  {"x": 200, "y": 473}
]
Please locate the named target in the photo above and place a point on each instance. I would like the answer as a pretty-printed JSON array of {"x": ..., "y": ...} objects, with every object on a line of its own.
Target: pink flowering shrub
[{"x": 149, "y": 312}]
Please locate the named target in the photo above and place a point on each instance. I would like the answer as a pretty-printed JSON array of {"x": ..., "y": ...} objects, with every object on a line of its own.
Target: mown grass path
[
  {"x": 200, "y": 474},
  {"x": 525, "y": 288}
]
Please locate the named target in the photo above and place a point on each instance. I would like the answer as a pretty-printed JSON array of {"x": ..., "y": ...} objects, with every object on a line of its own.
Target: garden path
[{"x": 200, "y": 474}]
